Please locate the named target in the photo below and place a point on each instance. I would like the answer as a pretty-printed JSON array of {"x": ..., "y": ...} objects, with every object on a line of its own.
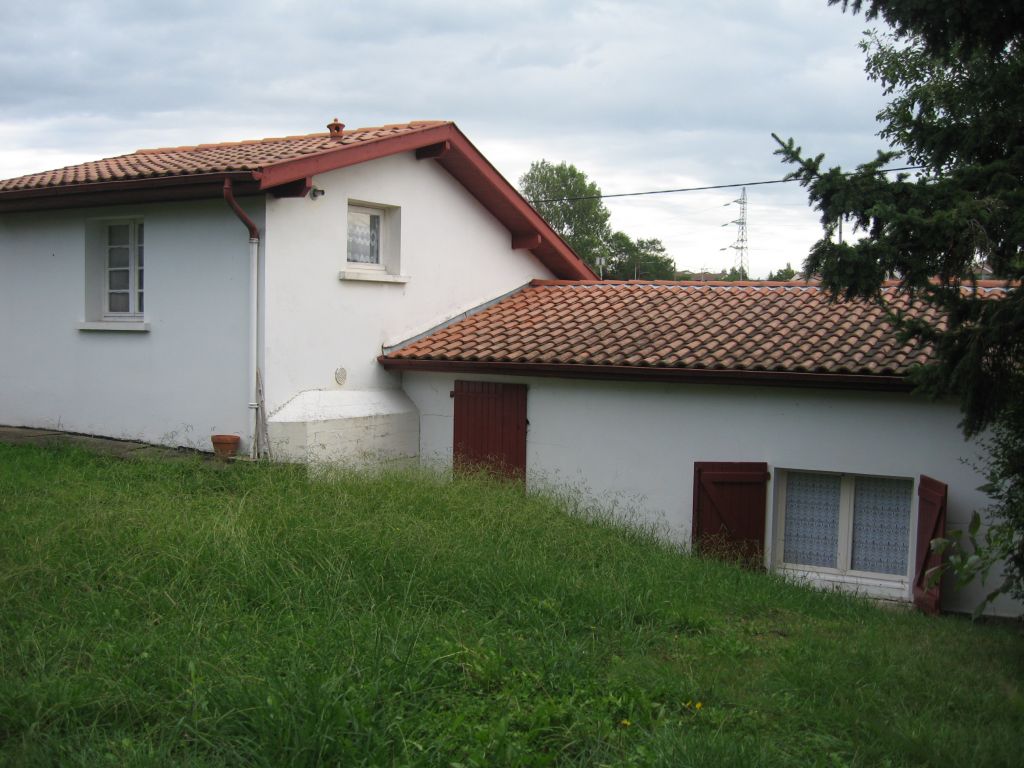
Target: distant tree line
[{"x": 571, "y": 203}]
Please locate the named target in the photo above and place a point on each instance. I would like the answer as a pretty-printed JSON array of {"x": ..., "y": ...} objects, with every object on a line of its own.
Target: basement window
[{"x": 845, "y": 524}]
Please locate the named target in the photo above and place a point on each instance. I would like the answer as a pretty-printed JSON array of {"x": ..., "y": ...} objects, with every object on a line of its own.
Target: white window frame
[
  {"x": 133, "y": 314},
  {"x": 382, "y": 243},
  {"x": 843, "y": 570}
]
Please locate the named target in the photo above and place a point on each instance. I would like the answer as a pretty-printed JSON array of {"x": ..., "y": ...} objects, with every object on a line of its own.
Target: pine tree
[{"x": 954, "y": 72}]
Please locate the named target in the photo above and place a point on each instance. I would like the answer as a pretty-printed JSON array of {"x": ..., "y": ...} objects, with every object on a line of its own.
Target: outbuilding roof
[{"x": 782, "y": 333}]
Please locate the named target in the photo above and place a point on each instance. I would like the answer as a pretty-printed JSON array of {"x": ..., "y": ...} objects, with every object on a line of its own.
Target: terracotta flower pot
[{"x": 225, "y": 446}]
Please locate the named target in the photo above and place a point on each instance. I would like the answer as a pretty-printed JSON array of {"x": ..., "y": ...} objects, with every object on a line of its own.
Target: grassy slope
[{"x": 181, "y": 613}]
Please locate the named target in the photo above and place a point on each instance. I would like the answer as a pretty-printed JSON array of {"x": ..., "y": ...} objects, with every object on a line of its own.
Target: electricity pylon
[{"x": 741, "y": 247}]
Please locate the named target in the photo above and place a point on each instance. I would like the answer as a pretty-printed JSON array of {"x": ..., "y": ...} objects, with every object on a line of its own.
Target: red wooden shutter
[
  {"x": 490, "y": 427},
  {"x": 729, "y": 507},
  {"x": 931, "y": 524}
]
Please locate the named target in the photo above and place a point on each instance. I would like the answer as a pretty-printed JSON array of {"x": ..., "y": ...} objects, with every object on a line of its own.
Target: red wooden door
[
  {"x": 490, "y": 427},
  {"x": 729, "y": 503},
  {"x": 931, "y": 524}
]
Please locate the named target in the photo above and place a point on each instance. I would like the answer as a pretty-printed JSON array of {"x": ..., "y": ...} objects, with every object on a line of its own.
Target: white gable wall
[
  {"x": 177, "y": 384},
  {"x": 634, "y": 444},
  {"x": 453, "y": 255},
  {"x": 454, "y": 252}
]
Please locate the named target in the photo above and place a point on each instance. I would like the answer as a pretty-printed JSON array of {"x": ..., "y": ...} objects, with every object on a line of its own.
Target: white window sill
[
  {"x": 115, "y": 325},
  {"x": 372, "y": 276},
  {"x": 885, "y": 586}
]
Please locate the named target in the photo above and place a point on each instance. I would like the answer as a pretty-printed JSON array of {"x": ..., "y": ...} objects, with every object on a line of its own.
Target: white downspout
[
  {"x": 254, "y": 313},
  {"x": 254, "y": 347}
]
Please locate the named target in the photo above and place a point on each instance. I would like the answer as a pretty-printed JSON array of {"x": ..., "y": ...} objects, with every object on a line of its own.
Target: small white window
[
  {"x": 124, "y": 286},
  {"x": 365, "y": 236},
  {"x": 373, "y": 249},
  {"x": 846, "y": 523}
]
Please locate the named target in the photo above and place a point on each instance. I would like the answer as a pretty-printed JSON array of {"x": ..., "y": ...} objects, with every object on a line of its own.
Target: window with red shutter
[
  {"x": 729, "y": 509},
  {"x": 931, "y": 524}
]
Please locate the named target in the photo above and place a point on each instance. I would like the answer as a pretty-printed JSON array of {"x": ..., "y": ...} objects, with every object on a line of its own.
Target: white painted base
[{"x": 348, "y": 427}]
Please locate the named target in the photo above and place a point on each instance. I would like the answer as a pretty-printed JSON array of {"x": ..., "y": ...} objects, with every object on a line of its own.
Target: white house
[
  {"x": 168, "y": 277},
  {"x": 384, "y": 294}
]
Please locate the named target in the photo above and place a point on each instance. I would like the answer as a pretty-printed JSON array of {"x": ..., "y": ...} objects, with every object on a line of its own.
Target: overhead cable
[{"x": 703, "y": 189}]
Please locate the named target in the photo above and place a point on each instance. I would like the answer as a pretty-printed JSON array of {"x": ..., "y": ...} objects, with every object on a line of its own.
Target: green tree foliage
[
  {"x": 954, "y": 73},
  {"x": 582, "y": 223},
  {"x": 570, "y": 202},
  {"x": 735, "y": 273},
  {"x": 638, "y": 259},
  {"x": 783, "y": 275}
]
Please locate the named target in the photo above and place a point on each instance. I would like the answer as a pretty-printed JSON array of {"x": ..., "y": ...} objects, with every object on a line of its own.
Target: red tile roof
[
  {"x": 226, "y": 157},
  {"x": 676, "y": 326}
]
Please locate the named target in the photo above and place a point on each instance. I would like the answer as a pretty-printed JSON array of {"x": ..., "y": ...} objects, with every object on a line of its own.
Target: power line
[{"x": 704, "y": 189}]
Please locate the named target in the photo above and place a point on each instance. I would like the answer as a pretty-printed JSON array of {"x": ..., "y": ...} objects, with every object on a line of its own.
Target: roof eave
[
  {"x": 869, "y": 382},
  {"x": 150, "y": 190}
]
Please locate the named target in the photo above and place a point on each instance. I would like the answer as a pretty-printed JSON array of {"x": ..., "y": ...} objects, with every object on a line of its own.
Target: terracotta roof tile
[
  {"x": 732, "y": 326},
  {"x": 250, "y": 155}
]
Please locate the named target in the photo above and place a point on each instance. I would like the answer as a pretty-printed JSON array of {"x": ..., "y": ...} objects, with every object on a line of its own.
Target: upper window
[
  {"x": 365, "y": 235},
  {"x": 124, "y": 294},
  {"x": 847, "y": 523}
]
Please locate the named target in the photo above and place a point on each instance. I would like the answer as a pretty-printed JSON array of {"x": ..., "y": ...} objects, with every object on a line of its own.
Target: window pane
[
  {"x": 138, "y": 234},
  {"x": 118, "y": 279},
  {"x": 142, "y": 282},
  {"x": 117, "y": 257},
  {"x": 142, "y": 305},
  {"x": 118, "y": 302},
  {"x": 364, "y": 237},
  {"x": 812, "y": 519},
  {"x": 117, "y": 234},
  {"x": 140, "y": 252},
  {"x": 881, "y": 525}
]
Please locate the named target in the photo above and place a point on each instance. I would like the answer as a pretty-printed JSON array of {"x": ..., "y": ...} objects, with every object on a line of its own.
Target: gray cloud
[{"x": 642, "y": 93}]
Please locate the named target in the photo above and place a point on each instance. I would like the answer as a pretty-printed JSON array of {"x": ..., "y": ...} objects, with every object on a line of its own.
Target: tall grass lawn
[{"x": 188, "y": 613}]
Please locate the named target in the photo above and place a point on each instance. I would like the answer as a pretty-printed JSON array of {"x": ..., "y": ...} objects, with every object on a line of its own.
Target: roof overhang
[
  {"x": 654, "y": 374},
  {"x": 155, "y": 190}
]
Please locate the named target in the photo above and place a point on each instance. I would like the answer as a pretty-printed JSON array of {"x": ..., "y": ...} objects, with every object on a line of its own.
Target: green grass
[{"x": 183, "y": 613}]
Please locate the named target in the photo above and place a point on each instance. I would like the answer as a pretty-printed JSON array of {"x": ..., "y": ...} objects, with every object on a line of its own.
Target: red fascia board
[
  {"x": 126, "y": 184},
  {"x": 651, "y": 374},
  {"x": 468, "y": 166},
  {"x": 351, "y": 154},
  {"x": 125, "y": 194}
]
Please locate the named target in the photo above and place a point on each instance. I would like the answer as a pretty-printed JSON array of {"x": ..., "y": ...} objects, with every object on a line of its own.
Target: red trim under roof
[{"x": 655, "y": 374}]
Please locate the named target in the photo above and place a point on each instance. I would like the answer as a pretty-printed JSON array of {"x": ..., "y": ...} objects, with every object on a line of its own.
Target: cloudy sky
[{"x": 639, "y": 95}]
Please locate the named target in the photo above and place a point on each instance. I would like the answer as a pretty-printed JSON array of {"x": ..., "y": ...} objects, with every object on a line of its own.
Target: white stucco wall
[
  {"x": 455, "y": 254},
  {"x": 177, "y": 384},
  {"x": 635, "y": 444}
]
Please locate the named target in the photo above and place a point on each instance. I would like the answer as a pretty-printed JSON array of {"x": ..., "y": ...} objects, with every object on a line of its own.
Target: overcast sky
[{"x": 639, "y": 95}]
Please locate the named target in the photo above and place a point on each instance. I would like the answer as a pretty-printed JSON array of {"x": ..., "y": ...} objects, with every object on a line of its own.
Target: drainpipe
[{"x": 254, "y": 300}]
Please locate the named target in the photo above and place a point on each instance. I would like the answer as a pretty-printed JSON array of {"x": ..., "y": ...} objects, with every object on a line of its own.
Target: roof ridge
[
  {"x": 679, "y": 283},
  {"x": 276, "y": 139},
  {"x": 886, "y": 285}
]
